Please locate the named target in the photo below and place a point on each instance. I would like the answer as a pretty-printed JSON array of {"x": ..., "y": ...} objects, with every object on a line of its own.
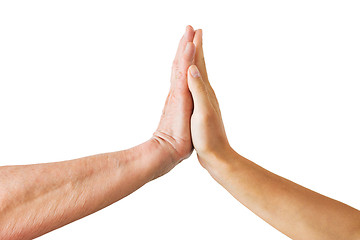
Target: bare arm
[
  {"x": 36, "y": 199},
  {"x": 292, "y": 209},
  {"x": 296, "y": 211}
]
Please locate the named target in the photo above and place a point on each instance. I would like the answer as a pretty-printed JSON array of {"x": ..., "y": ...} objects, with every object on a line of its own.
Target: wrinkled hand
[
  {"x": 207, "y": 128},
  {"x": 174, "y": 127}
]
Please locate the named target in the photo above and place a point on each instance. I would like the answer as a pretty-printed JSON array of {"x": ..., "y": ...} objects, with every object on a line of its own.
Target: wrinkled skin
[{"x": 174, "y": 126}]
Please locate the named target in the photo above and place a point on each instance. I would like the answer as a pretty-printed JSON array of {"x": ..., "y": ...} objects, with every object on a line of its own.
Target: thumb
[{"x": 197, "y": 87}]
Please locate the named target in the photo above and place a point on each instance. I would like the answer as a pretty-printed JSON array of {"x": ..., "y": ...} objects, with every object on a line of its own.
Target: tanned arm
[{"x": 294, "y": 210}]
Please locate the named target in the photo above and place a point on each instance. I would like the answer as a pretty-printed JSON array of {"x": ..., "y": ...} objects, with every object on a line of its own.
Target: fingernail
[{"x": 194, "y": 71}]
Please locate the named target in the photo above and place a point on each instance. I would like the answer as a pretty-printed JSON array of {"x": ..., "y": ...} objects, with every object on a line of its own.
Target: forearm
[
  {"x": 294, "y": 210},
  {"x": 35, "y": 199}
]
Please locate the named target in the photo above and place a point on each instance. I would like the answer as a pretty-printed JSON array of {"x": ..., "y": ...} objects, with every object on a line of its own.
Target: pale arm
[{"x": 36, "y": 199}]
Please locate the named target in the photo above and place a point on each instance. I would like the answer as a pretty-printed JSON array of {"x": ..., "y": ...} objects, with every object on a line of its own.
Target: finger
[
  {"x": 199, "y": 55},
  {"x": 180, "y": 68},
  {"x": 189, "y": 54},
  {"x": 187, "y": 37},
  {"x": 200, "y": 63},
  {"x": 197, "y": 88}
]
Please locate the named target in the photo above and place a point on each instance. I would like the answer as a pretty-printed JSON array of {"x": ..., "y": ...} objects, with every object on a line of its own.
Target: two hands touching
[
  {"x": 191, "y": 117},
  {"x": 36, "y": 199}
]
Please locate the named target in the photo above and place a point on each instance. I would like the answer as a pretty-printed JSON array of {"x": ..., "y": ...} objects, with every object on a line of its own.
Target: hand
[
  {"x": 273, "y": 198},
  {"x": 173, "y": 131},
  {"x": 207, "y": 128}
]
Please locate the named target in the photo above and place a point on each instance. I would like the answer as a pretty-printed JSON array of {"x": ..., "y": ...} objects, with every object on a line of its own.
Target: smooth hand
[
  {"x": 207, "y": 128},
  {"x": 273, "y": 198}
]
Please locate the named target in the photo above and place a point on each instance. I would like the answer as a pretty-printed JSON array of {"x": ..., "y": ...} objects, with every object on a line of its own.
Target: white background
[{"x": 84, "y": 77}]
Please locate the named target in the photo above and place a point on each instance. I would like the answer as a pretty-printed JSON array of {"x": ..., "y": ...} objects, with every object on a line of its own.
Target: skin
[
  {"x": 296, "y": 211},
  {"x": 36, "y": 199}
]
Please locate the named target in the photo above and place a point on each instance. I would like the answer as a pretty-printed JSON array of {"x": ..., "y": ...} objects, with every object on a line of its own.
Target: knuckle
[
  {"x": 202, "y": 88},
  {"x": 205, "y": 117},
  {"x": 179, "y": 74},
  {"x": 185, "y": 58}
]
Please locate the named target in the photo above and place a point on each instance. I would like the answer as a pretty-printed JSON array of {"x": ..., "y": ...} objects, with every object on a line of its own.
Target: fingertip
[
  {"x": 189, "y": 33},
  {"x": 189, "y": 28},
  {"x": 194, "y": 71}
]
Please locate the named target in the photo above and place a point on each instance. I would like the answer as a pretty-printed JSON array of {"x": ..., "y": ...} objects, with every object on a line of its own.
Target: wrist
[
  {"x": 219, "y": 164},
  {"x": 167, "y": 144},
  {"x": 153, "y": 157}
]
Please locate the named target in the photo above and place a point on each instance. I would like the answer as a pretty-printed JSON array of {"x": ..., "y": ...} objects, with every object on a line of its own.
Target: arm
[
  {"x": 292, "y": 209},
  {"x": 296, "y": 211},
  {"x": 36, "y": 199}
]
